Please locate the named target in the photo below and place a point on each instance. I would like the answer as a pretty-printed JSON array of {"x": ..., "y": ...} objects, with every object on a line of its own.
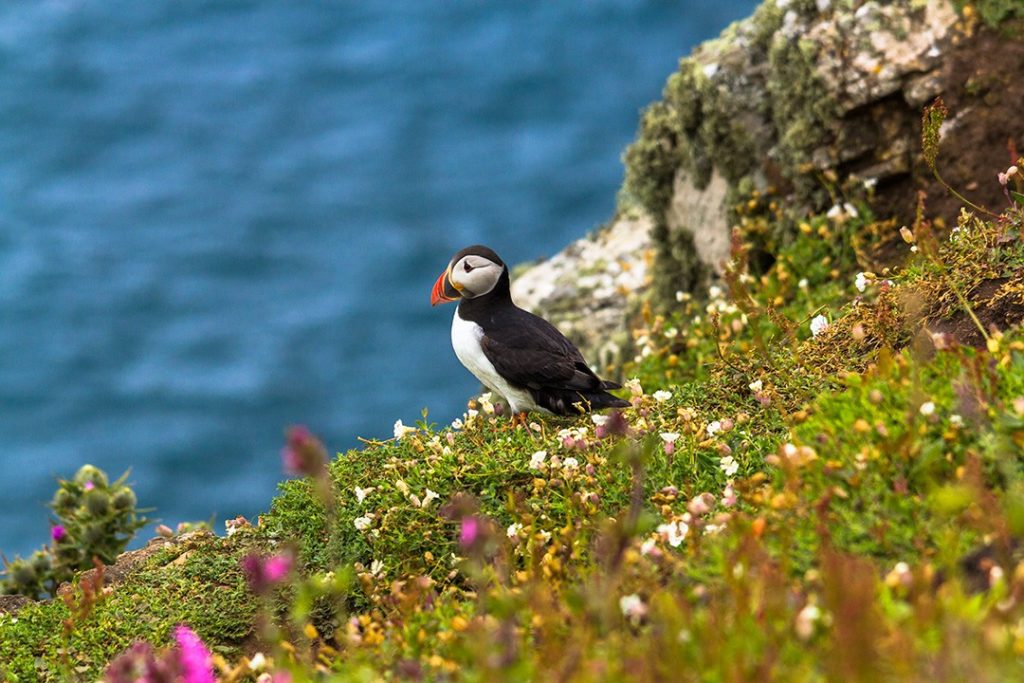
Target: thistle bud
[
  {"x": 124, "y": 499},
  {"x": 97, "y": 502},
  {"x": 64, "y": 500},
  {"x": 88, "y": 473},
  {"x": 21, "y": 572},
  {"x": 41, "y": 562}
]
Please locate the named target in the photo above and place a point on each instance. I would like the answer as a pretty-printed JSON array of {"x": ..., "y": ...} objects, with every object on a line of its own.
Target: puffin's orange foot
[{"x": 519, "y": 419}]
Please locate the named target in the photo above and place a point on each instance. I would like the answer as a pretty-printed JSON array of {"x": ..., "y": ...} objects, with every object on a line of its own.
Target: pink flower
[
  {"x": 195, "y": 660},
  {"x": 263, "y": 572},
  {"x": 303, "y": 454},
  {"x": 469, "y": 531},
  {"x": 728, "y": 496},
  {"x": 89, "y": 485},
  {"x": 58, "y": 533},
  {"x": 277, "y": 567},
  {"x": 700, "y": 504}
]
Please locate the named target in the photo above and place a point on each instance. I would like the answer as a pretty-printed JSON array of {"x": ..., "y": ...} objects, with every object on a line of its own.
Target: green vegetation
[
  {"x": 992, "y": 12},
  {"x": 96, "y": 519},
  {"x": 197, "y": 581},
  {"x": 776, "y": 502}
]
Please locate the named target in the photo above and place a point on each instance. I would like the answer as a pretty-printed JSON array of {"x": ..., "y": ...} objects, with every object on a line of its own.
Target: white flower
[
  {"x": 513, "y": 530},
  {"x": 402, "y": 486},
  {"x": 714, "y": 428},
  {"x": 756, "y": 386},
  {"x": 537, "y": 460},
  {"x": 599, "y": 420},
  {"x": 818, "y": 325},
  {"x": 375, "y": 567},
  {"x": 570, "y": 463},
  {"x": 861, "y": 282},
  {"x": 802, "y": 284},
  {"x": 806, "y": 620},
  {"x": 634, "y": 387},
  {"x": 729, "y": 465},
  {"x": 544, "y": 536},
  {"x": 927, "y": 408},
  {"x": 956, "y": 420},
  {"x": 632, "y": 606},
  {"x": 485, "y": 403},
  {"x": 258, "y": 662},
  {"x": 674, "y": 533},
  {"x": 669, "y": 437},
  {"x": 647, "y": 546},
  {"x": 361, "y": 494},
  {"x": 662, "y": 396},
  {"x": 429, "y": 496},
  {"x": 363, "y": 523},
  {"x": 401, "y": 430},
  {"x": 457, "y": 424}
]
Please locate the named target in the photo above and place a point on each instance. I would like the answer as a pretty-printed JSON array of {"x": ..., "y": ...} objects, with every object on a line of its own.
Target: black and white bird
[{"x": 514, "y": 353}]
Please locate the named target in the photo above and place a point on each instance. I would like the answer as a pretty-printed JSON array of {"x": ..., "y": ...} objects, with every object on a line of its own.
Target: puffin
[{"x": 514, "y": 353}]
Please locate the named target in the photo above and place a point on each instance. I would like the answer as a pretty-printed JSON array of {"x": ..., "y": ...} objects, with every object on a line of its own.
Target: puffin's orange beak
[{"x": 443, "y": 291}]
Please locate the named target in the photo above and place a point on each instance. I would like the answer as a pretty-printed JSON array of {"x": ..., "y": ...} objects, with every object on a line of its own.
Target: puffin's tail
[{"x": 569, "y": 402}]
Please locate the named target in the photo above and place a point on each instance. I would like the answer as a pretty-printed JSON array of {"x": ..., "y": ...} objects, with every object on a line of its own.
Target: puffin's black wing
[{"x": 530, "y": 352}]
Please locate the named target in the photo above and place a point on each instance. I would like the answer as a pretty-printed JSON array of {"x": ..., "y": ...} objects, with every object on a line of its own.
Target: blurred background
[{"x": 219, "y": 219}]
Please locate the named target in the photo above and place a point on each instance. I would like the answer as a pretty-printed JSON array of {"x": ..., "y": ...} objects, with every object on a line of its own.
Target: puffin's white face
[{"x": 474, "y": 275}]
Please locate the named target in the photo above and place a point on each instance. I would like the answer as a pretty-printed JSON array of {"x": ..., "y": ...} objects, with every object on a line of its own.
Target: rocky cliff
[{"x": 810, "y": 103}]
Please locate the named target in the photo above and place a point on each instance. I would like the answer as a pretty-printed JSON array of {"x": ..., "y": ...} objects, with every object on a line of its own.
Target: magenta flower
[
  {"x": 469, "y": 531},
  {"x": 58, "y": 533},
  {"x": 195, "y": 660},
  {"x": 291, "y": 460},
  {"x": 89, "y": 485},
  {"x": 277, "y": 567},
  {"x": 303, "y": 454},
  {"x": 263, "y": 572}
]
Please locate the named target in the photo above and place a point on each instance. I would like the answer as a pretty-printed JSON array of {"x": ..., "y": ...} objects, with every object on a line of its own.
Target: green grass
[{"x": 199, "y": 583}]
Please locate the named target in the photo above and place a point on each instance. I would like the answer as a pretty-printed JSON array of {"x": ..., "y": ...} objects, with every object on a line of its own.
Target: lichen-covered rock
[{"x": 802, "y": 97}]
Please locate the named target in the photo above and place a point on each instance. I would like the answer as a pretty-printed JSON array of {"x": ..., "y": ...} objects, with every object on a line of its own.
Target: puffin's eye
[{"x": 467, "y": 266}]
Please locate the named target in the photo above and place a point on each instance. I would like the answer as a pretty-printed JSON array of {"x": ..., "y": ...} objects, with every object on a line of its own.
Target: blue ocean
[{"x": 218, "y": 219}]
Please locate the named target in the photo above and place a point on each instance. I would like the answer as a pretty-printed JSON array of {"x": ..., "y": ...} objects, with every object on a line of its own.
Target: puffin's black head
[{"x": 472, "y": 272}]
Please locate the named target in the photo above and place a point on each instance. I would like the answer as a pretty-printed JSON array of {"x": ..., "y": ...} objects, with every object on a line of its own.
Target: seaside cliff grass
[{"x": 792, "y": 494}]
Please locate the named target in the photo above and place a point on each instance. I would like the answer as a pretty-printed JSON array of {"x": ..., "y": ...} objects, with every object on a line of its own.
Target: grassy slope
[{"x": 798, "y": 578}]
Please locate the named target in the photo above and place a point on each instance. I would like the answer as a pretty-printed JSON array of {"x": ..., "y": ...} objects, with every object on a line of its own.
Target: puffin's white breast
[{"x": 466, "y": 336}]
